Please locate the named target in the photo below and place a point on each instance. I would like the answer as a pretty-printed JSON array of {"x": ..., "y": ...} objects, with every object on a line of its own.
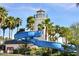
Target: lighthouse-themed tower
[{"x": 40, "y": 16}]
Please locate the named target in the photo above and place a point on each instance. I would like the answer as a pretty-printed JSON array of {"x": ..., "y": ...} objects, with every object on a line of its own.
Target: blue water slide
[
  {"x": 30, "y": 38},
  {"x": 46, "y": 44},
  {"x": 21, "y": 35}
]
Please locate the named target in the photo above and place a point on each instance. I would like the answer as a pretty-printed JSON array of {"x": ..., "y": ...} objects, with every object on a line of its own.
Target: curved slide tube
[
  {"x": 29, "y": 34},
  {"x": 28, "y": 37}
]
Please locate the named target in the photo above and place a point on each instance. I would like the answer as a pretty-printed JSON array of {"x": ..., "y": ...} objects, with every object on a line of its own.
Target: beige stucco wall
[
  {"x": 15, "y": 46},
  {"x": 12, "y": 45}
]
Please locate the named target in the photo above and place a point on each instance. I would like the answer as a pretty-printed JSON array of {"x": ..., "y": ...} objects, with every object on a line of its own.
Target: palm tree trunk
[
  {"x": 66, "y": 40},
  {"x": 46, "y": 34},
  {"x": 3, "y": 33},
  {"x": 50, "y": 36},
  {"x": 9, "y": 33}
]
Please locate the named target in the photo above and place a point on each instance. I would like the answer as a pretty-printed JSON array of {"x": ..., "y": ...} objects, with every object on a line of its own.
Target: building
[
  {"x": 40, "y": 16},
  {"x": 12, "y": 45}
]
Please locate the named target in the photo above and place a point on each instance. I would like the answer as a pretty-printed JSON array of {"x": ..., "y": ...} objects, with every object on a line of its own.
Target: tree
[
  {"x": 18, "y": 22},
  {"x": 66, "y": 32},
  {"x": 3, "y": 16},
  {"x": 40, "y": 27},
  {"x": 75, "y": 31},
  {"x": 11, "y": 25},
  {"x": 46, "y": 24},
  {"x": 3, "y": 26},
  {"x": 30, "y": 22},
  {"x": 57, "y": 28},
  {"x": 51, "y": 31}
]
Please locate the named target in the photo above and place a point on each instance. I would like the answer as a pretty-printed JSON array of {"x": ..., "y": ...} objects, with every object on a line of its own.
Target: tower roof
[{"x": 40, "y": 10}]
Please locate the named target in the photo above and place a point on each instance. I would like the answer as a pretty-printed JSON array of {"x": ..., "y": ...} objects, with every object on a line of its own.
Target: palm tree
[
  {"x": 75, "y": 31},
  {"x": 40, "y": 27},
  {"x": 11, "y": 25},
  {"x": 66, "y": 32},
  {"x": 4, "y": 27},
  {"x": 30, "y": 22},
  {"x": 57, "y": 28},
  {"x": 51, "y": 31},
  {"x": 18, "y": 23},
  {"x": 3, "y": 16},
  {"x": 46, "y": 24}
]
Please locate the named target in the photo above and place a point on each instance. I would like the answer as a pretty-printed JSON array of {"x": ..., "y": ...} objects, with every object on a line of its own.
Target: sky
[{"x": 63, "y": 14}]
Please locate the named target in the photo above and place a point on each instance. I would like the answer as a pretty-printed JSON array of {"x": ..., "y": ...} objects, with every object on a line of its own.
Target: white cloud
[
  {"x": 69, "y": 6},
  {"x": 66, "y": 6}
]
